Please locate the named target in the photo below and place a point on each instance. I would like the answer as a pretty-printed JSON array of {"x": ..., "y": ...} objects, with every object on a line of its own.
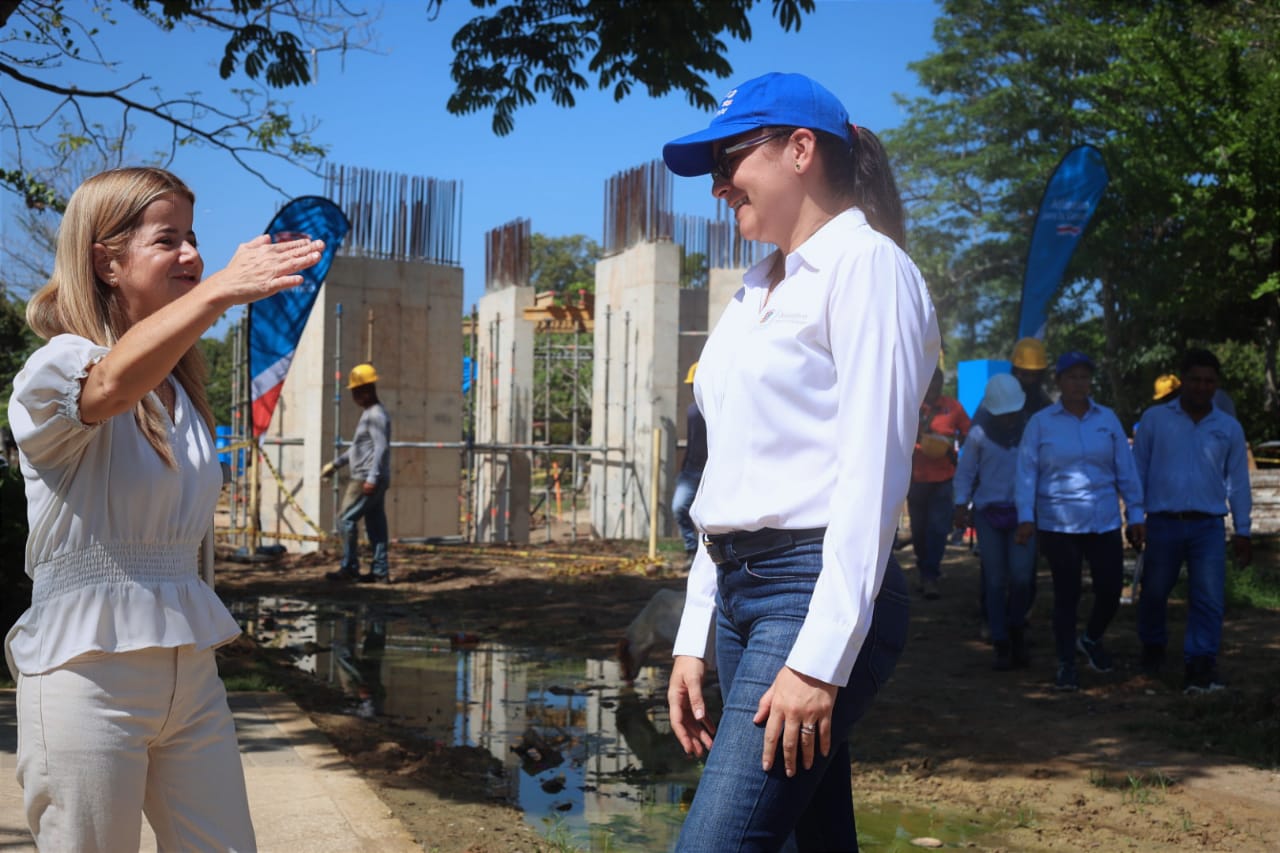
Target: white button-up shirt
[{"x": 812, "y": 399}]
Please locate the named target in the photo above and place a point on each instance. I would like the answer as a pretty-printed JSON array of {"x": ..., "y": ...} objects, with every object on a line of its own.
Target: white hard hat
[{"x": 1004, "y": 394}]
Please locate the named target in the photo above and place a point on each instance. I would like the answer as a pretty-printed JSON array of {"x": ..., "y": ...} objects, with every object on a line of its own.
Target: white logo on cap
[{"x": 727, "y": 102}]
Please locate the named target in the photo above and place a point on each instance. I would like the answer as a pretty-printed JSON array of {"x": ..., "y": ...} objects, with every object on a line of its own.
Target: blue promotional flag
[
  {"x": 276, "y": 323},
  {"x": 1070, "y": 198},
  {"x": 468, "y": 372}
]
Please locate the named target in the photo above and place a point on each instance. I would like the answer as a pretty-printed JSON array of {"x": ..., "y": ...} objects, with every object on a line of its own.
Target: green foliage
[
  {"x": 220, "y": 357},
  {"x": 35, "y": 193},
  {"x": 563, "y": 265},
  {"x": 13, "y": 543},
  {"x": 1256, "y": 586},
  {"x": 507, "y": 58},
  {"x": 269, "y": 43},
  {"x": 17, "y": 341},
  {"x": 1182, "y": 100},
  {"x": 694, "y": 271}
]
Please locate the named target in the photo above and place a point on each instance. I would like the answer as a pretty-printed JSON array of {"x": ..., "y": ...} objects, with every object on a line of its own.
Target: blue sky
[{"x": 386, "y": 111}]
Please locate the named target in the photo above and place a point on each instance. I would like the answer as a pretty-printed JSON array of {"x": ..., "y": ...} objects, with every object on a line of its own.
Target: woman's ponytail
[{"x": 861, "y": 172}]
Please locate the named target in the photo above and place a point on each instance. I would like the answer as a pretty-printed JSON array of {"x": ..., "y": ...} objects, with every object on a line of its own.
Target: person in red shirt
[{"x": 943, "y": 427}]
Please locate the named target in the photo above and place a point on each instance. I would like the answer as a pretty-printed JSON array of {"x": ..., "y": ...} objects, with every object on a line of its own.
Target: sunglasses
[{"x": 723, "y": 169}]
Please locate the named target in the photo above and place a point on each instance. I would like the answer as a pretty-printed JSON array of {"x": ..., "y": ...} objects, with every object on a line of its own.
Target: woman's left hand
[{"x": 798, "y": 710}]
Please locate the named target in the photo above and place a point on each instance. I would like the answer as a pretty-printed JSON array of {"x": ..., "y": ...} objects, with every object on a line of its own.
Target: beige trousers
[{"x": 106, "y": 737}]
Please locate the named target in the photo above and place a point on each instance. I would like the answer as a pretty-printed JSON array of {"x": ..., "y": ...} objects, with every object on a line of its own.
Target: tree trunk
[{"x": 1270, "y": 344}]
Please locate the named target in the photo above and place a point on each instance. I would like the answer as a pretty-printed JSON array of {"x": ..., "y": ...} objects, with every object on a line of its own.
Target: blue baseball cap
[
  {"x": 1068, "y": 360},
  {"x": 774, "y": 100}
]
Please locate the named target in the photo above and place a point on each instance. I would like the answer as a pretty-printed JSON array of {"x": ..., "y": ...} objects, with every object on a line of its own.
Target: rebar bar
[
  {"x": 398, "y": 217},
  {"x": 507, "y": 255},
  {"x": 637, "y": 206}
]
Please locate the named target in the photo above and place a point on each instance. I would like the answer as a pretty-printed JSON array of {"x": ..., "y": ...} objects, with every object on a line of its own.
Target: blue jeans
[
  {"x": 373, "y": 509},
  {"x": 1066, "y": 553},
  {"x": 1007, "y": 572},
  {"x": 761, "y": 606},
  {"x": 1201, "y": 543},
  {"x": 930, "y": 508},
  {"x": 681, "y": 500}
]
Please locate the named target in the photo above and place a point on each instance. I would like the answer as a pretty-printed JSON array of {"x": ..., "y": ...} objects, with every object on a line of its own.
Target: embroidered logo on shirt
[{"x": 773, "y": 315}]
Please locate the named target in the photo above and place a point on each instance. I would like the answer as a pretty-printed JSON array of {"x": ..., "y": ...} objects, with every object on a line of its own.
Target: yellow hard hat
[
  {"x": 1166, "y": 385},
  {"x": 362, "y": 374},
  {"x": 1029, "y": 354},
  {"x": 693, "y": 368}
]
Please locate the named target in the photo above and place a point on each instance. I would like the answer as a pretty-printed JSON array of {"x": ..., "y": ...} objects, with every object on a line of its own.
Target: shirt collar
[
  {"x": 1057, "y": 408},
  {"x": 823, "y": 246},
  {"x": 1176, "y": 405}
]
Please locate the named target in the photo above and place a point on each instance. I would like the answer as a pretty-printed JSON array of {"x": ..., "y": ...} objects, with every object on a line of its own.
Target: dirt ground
[{"x": 1126, "y": 763}]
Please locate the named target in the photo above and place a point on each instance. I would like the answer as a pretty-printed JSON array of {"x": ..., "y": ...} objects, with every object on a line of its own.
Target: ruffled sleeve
[{"x": 44, "y": 411}]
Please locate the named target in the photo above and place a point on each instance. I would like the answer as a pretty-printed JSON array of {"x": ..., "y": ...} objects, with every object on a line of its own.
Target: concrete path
[{"x": 303, "y": 795}]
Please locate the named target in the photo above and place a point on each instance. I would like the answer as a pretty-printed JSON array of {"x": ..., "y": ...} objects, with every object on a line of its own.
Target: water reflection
[
  {"x": 589, "y": 760},
  {"x": 582, "y": 753}
]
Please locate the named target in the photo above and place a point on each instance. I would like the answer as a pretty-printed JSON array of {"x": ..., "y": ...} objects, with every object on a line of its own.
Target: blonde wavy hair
[{"x": 107, "y": 209}]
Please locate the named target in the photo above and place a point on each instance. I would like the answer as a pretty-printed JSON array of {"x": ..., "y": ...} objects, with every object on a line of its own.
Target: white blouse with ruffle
[{"x": 115, "y": 533}]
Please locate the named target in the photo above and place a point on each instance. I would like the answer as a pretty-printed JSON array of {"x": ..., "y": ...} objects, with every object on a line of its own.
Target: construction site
[{"x": 535, "y": 417}]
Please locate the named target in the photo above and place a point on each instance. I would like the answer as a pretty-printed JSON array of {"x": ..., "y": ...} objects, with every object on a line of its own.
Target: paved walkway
[{"x": 303, "y": 795}]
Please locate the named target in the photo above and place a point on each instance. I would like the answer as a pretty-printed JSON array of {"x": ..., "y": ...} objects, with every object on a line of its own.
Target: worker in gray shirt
[{"x": 369, "y": 456}]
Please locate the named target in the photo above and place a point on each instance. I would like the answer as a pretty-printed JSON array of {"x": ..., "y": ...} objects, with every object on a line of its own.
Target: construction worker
[
  {"x": 1193, "y": 463},
  {"x": 695, "y": 458},
  {"x": 1167, "y": 386},
  {"x": 1030, "y": 363},
  {"x": 369, "y": 455},
  {"x": 943, "y": 427}
]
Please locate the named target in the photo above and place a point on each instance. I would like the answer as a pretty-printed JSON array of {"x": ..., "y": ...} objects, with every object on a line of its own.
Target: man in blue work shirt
[
  {"x": 1192, "y": 461},
  {"x": 370, "y": 459}
]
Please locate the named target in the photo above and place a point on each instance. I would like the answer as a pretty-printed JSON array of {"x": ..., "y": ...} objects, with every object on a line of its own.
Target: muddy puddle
[{"x": 589, "y": 759}]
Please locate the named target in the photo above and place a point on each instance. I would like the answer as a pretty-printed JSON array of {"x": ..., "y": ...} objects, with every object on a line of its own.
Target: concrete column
[
  {"x": 635, "y": 387},
  {"x": 504, "y": 405},
  {"x": 722, "y": 285},
  {"x": 406, "y": 316}
]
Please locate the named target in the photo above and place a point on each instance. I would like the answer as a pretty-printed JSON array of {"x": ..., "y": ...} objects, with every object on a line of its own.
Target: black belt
[
  {"x": 741, "y": 545},
  {"x": 1187, "y": 515}
]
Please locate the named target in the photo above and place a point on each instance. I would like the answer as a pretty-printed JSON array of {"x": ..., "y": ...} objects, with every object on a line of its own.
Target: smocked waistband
[{"x": 117, "y": 562}]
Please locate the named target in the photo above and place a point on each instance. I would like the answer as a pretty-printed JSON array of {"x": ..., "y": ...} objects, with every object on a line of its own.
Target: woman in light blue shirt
[
  {"x": 985, "y": 477},
  {"x": 1074, "y": 462}
]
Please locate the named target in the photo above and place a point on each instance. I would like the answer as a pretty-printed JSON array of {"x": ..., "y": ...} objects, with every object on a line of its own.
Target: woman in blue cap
[
  {"x": 1074, "y": 462},
  {"x": 811, "y": 385}
]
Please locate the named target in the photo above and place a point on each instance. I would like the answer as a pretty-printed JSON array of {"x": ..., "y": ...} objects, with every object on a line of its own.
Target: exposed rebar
[
  {"x": 507, "y": 255},
  {"x": 398, "y": 217}
]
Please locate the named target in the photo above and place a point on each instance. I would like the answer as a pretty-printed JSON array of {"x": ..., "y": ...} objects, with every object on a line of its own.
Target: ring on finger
[{"x": 807, "y": 728}]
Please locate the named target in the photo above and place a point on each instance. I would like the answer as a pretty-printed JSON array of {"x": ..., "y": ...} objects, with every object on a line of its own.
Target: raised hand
[{"x": 261, "y": 268}]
